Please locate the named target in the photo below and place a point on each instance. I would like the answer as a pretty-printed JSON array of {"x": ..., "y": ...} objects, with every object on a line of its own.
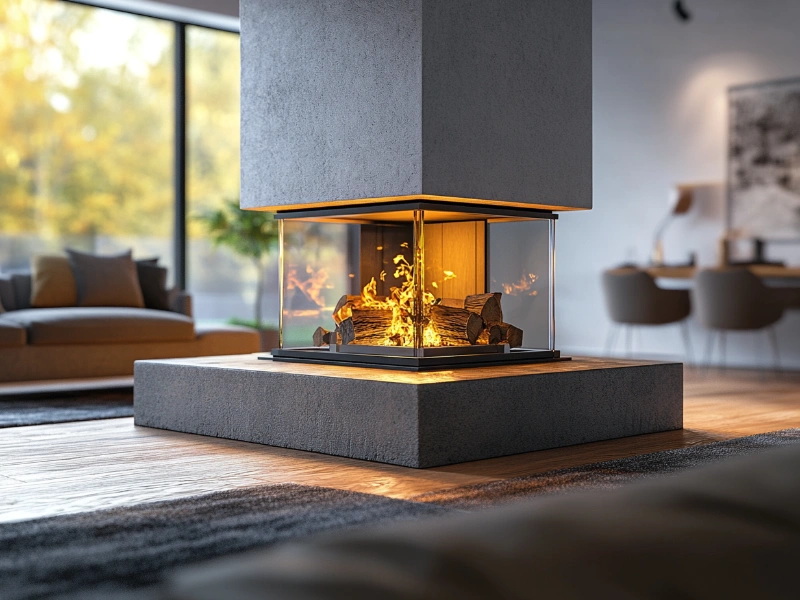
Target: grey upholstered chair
[
  {"x": 633, "y": 298},
  {"x": 734, "y": 299}
]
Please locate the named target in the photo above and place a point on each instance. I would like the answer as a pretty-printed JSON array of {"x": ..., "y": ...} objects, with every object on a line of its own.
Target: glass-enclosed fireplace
[{"x": 417, "y": 285}]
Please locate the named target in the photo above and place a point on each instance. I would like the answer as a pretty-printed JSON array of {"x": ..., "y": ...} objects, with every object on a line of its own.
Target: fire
[
  {"x": 312, "y": 286},
  {"x": 401, "y": 302},
  {"x": 524, "y": 285}
]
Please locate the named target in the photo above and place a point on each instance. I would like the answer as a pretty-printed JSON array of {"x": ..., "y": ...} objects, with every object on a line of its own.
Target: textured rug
[
  {"x": 605, "y": 475},
  {"x": 121, "y": 553},
  {"x": 50, "y": 407},
  {"x": 104, "y": 553}
]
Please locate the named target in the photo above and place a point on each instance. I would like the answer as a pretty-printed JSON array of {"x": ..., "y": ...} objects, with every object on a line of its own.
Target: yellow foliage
[{"x": 86, "y": 120}]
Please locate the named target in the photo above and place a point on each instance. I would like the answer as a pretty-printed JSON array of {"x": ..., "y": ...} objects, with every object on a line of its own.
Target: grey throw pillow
[
  {"x": 7, "y": 293},
  {"x": 106, "y": 280},
  {"x": 153, "y": 281}
]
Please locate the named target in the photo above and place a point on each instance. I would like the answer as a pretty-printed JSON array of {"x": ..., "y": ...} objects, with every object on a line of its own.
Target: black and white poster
[{"x": 764, "y": 159}]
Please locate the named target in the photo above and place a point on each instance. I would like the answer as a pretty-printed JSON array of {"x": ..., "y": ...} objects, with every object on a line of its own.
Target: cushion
[
  {"x": 11, "y": 334},
  {"x": 22, "y": 284},
  {"x": 52, "y": 282},
  {"x": 7, "y": 292},
  {"x": 153, "y": 282},
  {"x": 101, "y": 325},
  {"x": 106, "y": 280}
]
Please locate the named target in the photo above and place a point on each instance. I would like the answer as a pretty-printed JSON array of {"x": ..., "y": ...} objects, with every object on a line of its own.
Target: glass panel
[
  {"x": 86, "y": 120},
  {"x": 405, "y": 283},
  {"x": 226, "y": 283},
  {"x": 315, "y": 276},
  {"x": 520, "y": 266}
]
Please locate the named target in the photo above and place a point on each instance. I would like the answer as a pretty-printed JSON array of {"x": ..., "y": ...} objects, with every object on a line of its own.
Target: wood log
[
  {"x": 491, "y": 335},
  {"x": 511, "y": 334},
  {"x": 321, "y": 337},
  {"x": 487, "y": 306},
  {"x": 456, "y": 326},
  {"x": 495, "y": 334},
  {"x": 451, "y": 302},
  {"x": 346, "y": 304},
  {"x": 366, "y": 327}
]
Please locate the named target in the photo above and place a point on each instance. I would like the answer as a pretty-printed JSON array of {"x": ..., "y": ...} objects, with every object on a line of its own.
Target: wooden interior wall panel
[
  {"x": 379, "y": 245},
  {"x": 459, "y": 247}
]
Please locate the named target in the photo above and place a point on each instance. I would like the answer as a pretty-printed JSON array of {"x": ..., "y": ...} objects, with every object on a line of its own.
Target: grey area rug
[
  {"x": 605, "y": 475},
  {"x": 103, "y": 554},
  {"x": 122, "y": 553},
  {"x": 39, "y": 409}
]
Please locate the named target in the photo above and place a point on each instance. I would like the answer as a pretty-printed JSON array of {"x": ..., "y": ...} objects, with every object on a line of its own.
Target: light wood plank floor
[{"x": 57, "y": 469}]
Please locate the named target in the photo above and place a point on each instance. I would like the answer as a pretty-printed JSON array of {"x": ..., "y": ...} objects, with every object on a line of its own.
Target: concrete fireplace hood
[{"x": 353, "y": 101}]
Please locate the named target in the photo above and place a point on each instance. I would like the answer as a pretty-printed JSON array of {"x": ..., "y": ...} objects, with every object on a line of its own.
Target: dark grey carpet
[
  {"x": 39, "y": 409},
  {"x": 99, "y": 554},
  {"x": 609, "y": 474},
  {"x": 124, "y": 551}
]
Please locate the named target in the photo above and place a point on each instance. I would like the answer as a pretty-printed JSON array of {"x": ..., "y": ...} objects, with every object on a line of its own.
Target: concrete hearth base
[{"x": 410, "y": 419}]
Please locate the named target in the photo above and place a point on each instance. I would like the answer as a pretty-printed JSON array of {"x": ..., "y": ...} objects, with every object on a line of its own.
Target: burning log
[
  {"x": 321, "y": 337},
  {"x": 346, "y": 304},
  {"x": 511, "y": 334},
  {"x": 366, "y": 327},
  {"x": 451, "y": 302},
  {"x": 456, "y": 326},
  {"x": 487, "y": 306}
]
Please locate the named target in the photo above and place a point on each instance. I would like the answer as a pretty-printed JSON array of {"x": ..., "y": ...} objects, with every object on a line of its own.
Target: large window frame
[{"x": 180, "y": 18}]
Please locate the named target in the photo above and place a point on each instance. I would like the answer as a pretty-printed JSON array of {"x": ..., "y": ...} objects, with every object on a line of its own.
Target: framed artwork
[{"x": 764, "y": 160}]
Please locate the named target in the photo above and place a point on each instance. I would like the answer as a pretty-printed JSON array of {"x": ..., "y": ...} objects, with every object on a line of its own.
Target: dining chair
[
  {"x": 735, "y": 299},
  {"x": 633, "y": 299}
]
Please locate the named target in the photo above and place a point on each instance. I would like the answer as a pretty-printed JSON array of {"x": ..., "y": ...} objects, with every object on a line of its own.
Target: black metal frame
[
  {"x": 179, "y": 142},
  {"x": 353, "y": 211},
  {"x": 410, "y": 363}
]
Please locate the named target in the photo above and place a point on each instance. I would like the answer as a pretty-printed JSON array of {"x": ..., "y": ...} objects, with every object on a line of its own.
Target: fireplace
[
  {"x": 415, "y": 153},
  {"x": 417, "y": 285}
]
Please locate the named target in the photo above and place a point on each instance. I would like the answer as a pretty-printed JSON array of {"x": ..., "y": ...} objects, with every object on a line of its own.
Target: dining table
[{"x": 784, "y": 278}]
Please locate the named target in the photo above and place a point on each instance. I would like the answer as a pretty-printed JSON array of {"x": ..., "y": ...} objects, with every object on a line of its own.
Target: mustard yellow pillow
[{"x": 53, "y": 284}]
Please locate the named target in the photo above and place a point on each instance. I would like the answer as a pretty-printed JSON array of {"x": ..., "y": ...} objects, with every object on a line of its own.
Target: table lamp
[{"x": 680, "y": 201}]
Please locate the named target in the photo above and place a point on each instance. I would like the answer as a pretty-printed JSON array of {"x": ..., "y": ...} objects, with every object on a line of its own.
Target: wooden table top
[{"x": 765, "y": 271}]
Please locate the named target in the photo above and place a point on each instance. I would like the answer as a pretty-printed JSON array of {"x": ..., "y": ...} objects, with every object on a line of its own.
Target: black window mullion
[{"x": 180, "y": 156}]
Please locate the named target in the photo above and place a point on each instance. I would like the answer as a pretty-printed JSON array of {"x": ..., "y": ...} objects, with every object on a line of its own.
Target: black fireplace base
[{"x": 413, "y": 363}]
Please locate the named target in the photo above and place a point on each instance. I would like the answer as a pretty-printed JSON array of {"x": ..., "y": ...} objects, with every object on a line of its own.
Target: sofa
[{"x": 99, "y": 341}]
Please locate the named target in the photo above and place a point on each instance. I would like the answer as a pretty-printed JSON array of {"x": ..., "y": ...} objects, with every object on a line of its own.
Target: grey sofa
[{"x": 81, "y": 342}]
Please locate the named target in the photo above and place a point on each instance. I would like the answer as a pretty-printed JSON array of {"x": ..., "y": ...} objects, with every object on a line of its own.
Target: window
[
  {"x": 222, "y": 284},
  {"x": 86, "y": 123},
  {"x": 88, "y": 146}
]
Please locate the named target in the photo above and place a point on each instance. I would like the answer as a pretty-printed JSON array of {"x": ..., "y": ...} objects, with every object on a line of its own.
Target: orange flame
[
  {"x": 401, "y": 302},
  {"x": 524, "y": 285},
  {"x": 312, "y": 286}
]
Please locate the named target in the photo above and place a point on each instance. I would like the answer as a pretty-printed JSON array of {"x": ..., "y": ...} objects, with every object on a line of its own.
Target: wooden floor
[{"x": 71, "y": 467}]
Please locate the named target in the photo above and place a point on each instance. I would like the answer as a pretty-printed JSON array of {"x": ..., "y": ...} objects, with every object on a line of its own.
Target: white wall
[{"x": 659, "y": 119}]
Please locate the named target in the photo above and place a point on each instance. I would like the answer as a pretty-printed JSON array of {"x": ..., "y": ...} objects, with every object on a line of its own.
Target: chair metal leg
[
  {"x": 709, "y": 350},
  {"x": 772, "y": 332},
  {"x": 629, "y": 341},
  {"x": 687, "y": 341},
  {"x": 722, "y": 339},
  {"x": 611, "y": 338}
]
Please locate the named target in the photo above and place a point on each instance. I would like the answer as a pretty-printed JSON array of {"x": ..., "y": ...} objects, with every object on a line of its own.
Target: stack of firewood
[{"x": 478, "y": 319}]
